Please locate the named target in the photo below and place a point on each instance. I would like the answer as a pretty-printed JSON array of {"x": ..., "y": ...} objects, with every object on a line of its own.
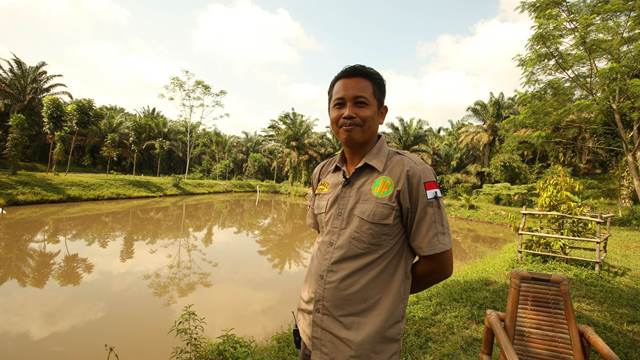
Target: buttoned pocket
[
  {"x": 374, "y": 225},
  {"x": 319, "y": 210}
]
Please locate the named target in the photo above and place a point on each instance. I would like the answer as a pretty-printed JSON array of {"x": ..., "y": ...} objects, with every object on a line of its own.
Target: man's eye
[
  {"x": 338, "y": 105},
  {"x": 361, "y": 103}
]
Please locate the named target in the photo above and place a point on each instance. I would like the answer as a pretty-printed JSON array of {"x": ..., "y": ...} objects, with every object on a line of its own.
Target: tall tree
[
  {"x": 112, "y": 128},
  {"x": 196, "y": 101},
  {"x": 23, "y": 86},
  {"x": 294, "y": 133},
  {"x": 592, "y": 46},
  {"x": 489, "y": 115},
  {"x": 409, "y": 135},
  {"x": 53, "y": 116},
  {"x": 80, "y": 114},
  {"x": 17, "y": 141}
]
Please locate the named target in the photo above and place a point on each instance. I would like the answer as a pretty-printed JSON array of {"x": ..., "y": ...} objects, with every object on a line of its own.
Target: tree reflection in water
[{"x": 33, "y": 239}]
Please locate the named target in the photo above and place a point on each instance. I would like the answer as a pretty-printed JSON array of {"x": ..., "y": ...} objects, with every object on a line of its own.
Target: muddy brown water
[{"x": 77, "y": 276}]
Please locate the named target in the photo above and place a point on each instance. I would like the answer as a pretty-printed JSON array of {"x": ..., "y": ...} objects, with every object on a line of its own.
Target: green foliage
[
  {"x": 507, "y": 194},
  {"x": 630, "y": 217},
  {"x": 458, "y": 184},
  {"x": 591, "y": 49},
  {"x": 17, "y": 140},
  {"x": 257, "y": 166},
  {"x": 558, "y": 192},
  {"x": 189, "y": 328},
  {"x": 176, "y": 181},
  {"x": 231, "y": 347},
  {"x": 412, "y": 135},
  {"x": 508, "y": 168}
]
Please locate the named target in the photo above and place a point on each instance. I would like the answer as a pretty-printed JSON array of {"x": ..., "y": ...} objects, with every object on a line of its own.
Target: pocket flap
[
  {"x": 377, "y": 212},
  {"x": 320, "y": 205}
]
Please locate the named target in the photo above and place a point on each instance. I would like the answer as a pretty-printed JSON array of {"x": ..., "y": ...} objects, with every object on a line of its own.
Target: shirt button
[
  {"x": 317, "y": 310},
  {"x": 321, "y": 277},
  {"x": 340, "y": 213}
]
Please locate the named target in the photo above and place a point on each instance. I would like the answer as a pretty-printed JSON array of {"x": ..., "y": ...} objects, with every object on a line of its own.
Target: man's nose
[{"x": 348, "y": 112}]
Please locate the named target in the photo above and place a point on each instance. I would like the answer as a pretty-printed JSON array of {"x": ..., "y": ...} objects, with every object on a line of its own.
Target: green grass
[{"x": 34, "y": 187}]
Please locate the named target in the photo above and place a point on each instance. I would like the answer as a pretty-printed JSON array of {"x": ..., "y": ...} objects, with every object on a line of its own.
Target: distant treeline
[{"x": 580, "y": 110}]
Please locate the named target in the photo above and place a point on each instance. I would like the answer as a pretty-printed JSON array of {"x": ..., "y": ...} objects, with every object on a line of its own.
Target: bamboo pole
[
  {"x": 553, "y": 213},
  {"x": 523, "y": 224},
  {"x": 558, "y": 255},
  {"x": 596, "y": 240},
  {"x": 598, "y": 245}
]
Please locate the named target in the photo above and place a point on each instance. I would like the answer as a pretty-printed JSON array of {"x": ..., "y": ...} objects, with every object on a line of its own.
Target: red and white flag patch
[{"x": 432, "y": 190}]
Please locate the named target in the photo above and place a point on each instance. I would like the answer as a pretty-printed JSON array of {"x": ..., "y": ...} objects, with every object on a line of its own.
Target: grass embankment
[
  {"x": 446, "y": 322},
  {"x": 34, "y": 188}
]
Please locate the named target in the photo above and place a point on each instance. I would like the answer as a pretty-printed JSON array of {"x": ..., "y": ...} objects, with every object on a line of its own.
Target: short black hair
[{"x": 367, "y": 73}]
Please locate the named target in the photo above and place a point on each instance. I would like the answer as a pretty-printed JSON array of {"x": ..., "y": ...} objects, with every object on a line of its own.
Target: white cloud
[
  {"x": 246, "y": 33},
  {"x": 458, "y": 70},
  {"x": 92, "y": 43}
]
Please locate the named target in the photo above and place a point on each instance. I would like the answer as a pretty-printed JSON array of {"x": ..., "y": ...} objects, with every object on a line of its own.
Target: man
[{"x": 376, "y": 210}]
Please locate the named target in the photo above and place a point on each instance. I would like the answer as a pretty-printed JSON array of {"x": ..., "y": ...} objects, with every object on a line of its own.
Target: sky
[{"x": 437, "y": 57}]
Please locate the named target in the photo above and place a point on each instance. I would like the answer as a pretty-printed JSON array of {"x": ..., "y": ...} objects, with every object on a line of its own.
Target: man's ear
[{"x": 382, "y": 113}]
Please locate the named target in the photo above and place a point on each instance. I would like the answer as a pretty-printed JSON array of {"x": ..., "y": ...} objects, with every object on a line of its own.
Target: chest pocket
[
  {"x": 320, "y": 209},
  {"x": 374, "y": 225}
]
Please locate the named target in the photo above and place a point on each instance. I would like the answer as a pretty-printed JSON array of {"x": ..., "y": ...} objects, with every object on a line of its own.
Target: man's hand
[{"x": 430, "y": 270}]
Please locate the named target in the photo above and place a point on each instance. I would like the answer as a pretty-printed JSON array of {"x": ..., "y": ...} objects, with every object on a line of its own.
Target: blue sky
[{"x": 438, "y": 57}]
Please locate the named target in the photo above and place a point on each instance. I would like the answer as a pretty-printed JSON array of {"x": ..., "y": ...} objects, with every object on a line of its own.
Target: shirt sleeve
[
  {"x": 312, "y": 220},
  {"x": 425, "y": 219}
]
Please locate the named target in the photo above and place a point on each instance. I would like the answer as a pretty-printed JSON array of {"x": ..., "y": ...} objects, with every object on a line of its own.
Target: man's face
[{"x": 354, "y": 113}]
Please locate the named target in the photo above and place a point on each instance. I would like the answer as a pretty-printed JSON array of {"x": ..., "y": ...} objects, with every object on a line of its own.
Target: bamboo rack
[{"x": 597, "y": 244}]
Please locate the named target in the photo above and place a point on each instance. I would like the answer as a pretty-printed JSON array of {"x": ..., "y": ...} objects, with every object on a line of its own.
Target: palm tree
[
  {"x": 409, "y": 135},
  {"x": 294, "y": 132},
  {"x": 490, "y": 114},
  {"x": 160, "y": 137},
  {"x": 53, "y": 116},
  {"x": 81, "y": 114},
  {"x": 23, "y": 86},
  {"x": 112, "y": 128}
]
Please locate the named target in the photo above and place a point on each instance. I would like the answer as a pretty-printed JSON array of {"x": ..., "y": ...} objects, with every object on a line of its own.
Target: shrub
[
  {"x": 231, "y": 347},
  {"x": 458, "y": 184},
  {"x": 508, "y": 195},
  {"x": 630, "y": 217},
  {"x": 508, "y": 168},
  {"x": 176, "y": 181},
  {"x": 558, "y": 191},
  {"x": 189, "y": 328}
]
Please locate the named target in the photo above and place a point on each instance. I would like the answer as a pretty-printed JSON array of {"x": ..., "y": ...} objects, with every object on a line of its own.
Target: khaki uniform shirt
[{"x": 371, "y": 227}]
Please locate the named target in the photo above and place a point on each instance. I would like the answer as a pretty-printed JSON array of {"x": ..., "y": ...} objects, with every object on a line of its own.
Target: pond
[{"x": 77, "y": 276}]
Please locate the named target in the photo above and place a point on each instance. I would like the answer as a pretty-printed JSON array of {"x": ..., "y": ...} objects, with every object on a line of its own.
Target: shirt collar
[{"x": 376, "y": 157}]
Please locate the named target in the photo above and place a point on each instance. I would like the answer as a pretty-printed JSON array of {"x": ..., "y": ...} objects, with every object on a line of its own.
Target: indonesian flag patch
[{"x": 432, "y": 190}]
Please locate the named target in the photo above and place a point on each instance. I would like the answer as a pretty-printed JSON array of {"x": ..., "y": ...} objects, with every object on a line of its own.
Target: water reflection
[
  {"x": 76, "y": 276},
  {"x": 36, "y": 243}
]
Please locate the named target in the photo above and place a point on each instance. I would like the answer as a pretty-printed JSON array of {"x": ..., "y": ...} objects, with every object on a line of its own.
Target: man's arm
[{"x": 430, "y": 270}]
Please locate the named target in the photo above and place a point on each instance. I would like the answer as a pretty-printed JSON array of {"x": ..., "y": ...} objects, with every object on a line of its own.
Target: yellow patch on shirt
[
  {"x": 323, "y": 187},
  {"x": 382, "y": 187}
]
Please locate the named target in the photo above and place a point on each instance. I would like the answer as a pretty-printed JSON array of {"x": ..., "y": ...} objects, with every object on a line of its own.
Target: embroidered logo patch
[
  {"x": 382, "y": 187},
  {"x": 432, "y": 189},
  {"x": 323, "y": 187}
]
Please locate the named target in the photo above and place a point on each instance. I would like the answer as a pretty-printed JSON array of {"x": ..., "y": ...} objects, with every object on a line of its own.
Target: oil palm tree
[
  {"x": 410, "y": 136},
  {"x": 484, "y": 135},
  {"x": 160, "y": 135},
  {"x": 23, "y": 86},
  {"x": 294, "y": 132}
]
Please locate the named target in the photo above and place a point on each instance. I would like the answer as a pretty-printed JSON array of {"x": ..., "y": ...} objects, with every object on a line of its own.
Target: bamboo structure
[
  {"x": 597, "y": 244},
  {"x": 540, "y": 323}
]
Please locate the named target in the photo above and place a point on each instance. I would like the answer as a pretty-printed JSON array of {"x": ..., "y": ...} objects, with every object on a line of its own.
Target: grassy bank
[
  {"x": 446, "y": 322},
  {"x": 34, "y": 187}
]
